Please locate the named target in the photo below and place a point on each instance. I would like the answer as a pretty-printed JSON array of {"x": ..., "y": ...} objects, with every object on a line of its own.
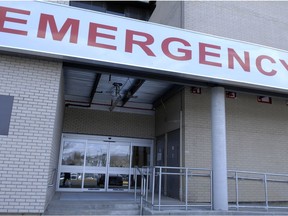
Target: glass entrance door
[
  {"x": 72, "y": 164},
  {"x": 119, "y": 166},
  {"x": 100, "y": 165},
  {"x": 95, "y": 168}
]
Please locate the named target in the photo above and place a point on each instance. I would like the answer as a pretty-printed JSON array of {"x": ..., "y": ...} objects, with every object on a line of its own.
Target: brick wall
[
  {"x": 56, "y": 142},
  {"x": 256, "y": 141},
  {"x": 257, "y": 22},
  {"x": 86, "y": 121},
  {"x": 168, "y": 13},
  {"x": 25, "y": 153}
]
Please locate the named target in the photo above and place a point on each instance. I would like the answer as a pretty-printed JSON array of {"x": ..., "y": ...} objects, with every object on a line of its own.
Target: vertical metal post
[
  {"x": 153, "y": 186},
  {"x": 141, "y": 193},
  {"x": 186, "y": 189},
  {"x": 237, "y": 190},
  {"x": 159, "y": 195},
  {"x": 135, "y": 184},
  {"x": 266, "y": 191},
  {"x": 147, "y": 182},
  {"x": 219, "y": 158},
  {"x": 211, "y": 189}
]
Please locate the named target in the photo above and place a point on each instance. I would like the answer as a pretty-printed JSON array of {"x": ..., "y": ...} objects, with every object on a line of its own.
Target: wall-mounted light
[
  {"x": 264, "y": 99},
  {"x": 230, "y": 94},
  {"x": 195, "y": 90}
]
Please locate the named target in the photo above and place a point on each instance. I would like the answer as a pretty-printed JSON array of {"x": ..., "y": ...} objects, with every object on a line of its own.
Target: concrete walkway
[{"x": 123, "y": 203}]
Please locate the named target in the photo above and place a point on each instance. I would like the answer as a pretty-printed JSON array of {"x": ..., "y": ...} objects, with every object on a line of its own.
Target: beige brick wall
[
  {"x": 168, "y": 13},
  {"x": 261, "y": 22},
  {"x": 257, "y": 134},
  {"x": 197, "y": 129},
  {"x": 86, "y": 121},
  {"x": 55, "y": 148},
  {"x": 256, "y": 141},
  {"x": 25, "y": 152}
]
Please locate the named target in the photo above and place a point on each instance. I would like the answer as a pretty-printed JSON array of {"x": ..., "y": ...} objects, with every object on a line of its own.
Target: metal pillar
[{"x": 219, "y": 161}]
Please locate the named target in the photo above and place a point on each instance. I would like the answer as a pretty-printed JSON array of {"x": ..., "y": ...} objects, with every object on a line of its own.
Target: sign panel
[
  {"x": 65, "y": 32},
  {"x": 6, "y": 103}
]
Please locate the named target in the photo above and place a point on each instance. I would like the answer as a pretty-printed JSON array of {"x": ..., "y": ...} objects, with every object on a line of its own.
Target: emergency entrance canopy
[{"x": 64, "y": 32}]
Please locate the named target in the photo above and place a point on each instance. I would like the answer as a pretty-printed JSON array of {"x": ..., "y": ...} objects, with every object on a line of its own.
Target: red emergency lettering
[
  {"x": 259, "y": 60},
  {"x": 203, "y": 53},
  {"x": 46, "y": 19},
  {"x": 148, "y": 40},
  {"x": 4, "y": 18},
  {"x": 94, "y": 34},
  {"x": 245, "y": 64},
  {"x": 187, "y": 54},
  {"x": 284, "y": 63}
]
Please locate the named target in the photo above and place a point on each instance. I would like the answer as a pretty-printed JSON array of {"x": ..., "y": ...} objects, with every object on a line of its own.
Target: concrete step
[
  {"x": 91, "y": 212},
  {"x": 58, "y": 207}
]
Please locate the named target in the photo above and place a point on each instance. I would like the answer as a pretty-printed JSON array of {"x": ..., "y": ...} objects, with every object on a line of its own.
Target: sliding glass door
[
  {"x": 89, "y": 163},
  {"x": 95, "y": 168}
]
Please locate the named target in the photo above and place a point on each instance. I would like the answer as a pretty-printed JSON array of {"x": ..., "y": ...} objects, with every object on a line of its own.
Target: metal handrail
[
  {"x": 158, "y": 174},
  {"x": 264, "y": 178},
  {"x": 161, "y": 171},
  {"x": 53, "y": 178},
  {"x": 143, "y": 188}
]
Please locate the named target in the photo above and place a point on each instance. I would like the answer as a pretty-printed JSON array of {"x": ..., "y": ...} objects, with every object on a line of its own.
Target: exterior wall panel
[
  {"x": 257, "y": 134},
  {"x": 256, "y": 141},
  {"x": 167, "y": 116},
  {"x": 168, "y": 13},
  {"x": 25, "y": 153},
  {"x": 257, "y": 22},
  {"x": 85, "y": 121},
  {"x": 55, "y": 148}
]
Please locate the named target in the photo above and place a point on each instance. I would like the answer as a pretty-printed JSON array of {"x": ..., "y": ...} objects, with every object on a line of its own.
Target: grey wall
[
  {"x": 86, "y": 121},
  {"x": 261, "y": 22}
]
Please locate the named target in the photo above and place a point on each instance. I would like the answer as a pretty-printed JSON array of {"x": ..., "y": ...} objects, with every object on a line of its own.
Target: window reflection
[
  {"x": 96, "y": 155},
  {"x": 97, "y": 165},
  {"x": 73, "y": 153},
  {"x": 119, "y": 156},
  {"x": 94, "y": 181},
  {"x": 70, "y": 180}
]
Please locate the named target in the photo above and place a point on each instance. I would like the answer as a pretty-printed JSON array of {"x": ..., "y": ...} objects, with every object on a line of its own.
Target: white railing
[
  {"x": 272, "y": 184},
  {"x": 156, "y": 177},
  {"x": 143, "y": 188},
  {"x": 246, "y": 189}
]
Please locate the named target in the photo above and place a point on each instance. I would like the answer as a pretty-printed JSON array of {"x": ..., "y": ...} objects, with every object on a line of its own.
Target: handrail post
[
  {"x": 141, "y": 194},
  {"x": 266, "y": 191},
  {"x": 52, "y": 179},
  {"x": 211, "y": 189},
  {"x": 237, "y": 190},
  {"x": 135, "y": 184},
  {"x": 147, "y": 182},
  {"x": 186, "y": 189},
  {"x": 160, "y": 186},
  {"x": 153, "y": 185}
]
